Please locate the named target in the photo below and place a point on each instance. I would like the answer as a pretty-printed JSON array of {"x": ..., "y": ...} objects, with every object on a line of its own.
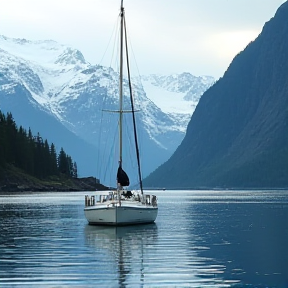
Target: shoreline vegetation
[
  {"x": 14, "y": 180},
  {"x": 29, "y": 164}
]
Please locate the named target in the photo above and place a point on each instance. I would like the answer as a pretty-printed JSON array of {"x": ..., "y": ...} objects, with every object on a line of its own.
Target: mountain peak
[
  {"x": 70, "y": 57},
  {"x": 55, "y": 53}
]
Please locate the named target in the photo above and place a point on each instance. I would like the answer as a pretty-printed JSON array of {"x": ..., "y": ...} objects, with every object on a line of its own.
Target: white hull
[
  {"x": 125, "y": 213},
  {"x": 120, "y": 215}
]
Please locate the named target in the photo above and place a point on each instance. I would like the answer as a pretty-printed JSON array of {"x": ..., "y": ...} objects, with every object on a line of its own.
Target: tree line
[{"x": 32, "y": 153}]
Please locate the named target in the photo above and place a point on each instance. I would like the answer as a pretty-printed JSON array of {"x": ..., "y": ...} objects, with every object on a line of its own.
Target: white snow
[
  {"x": 33, "y": 51},
  {"x": 168, "y": 102},
  {"x": 42, "y": 56}
]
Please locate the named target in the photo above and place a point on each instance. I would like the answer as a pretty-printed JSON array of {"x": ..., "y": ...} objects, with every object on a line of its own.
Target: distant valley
[{"x": 50, "y": 88}]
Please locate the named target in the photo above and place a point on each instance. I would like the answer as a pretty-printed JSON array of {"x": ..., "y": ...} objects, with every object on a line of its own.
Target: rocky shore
[{"x": 15, "y": 181}]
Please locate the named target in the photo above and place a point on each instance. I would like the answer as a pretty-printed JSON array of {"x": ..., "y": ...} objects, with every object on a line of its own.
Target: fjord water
[{"x": 200, "y": 239}]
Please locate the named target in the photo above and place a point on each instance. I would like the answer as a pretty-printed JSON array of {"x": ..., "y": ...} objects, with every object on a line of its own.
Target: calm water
[{"x": 200, "y": 239}]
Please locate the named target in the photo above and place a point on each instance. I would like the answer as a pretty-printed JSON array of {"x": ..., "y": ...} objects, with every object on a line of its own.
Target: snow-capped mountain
[
  {"x": 58, "y": 81},
  {"x": 177, "y": 94}
]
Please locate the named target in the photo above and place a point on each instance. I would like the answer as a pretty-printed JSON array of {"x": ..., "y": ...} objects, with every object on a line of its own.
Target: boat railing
[
  {"x": 101, "y": 198},
  {"x": 154, "y": 201},
  {"x": 149, "y": 200},
  {"x": 89, "y": 201},
  {"x": 113, "y": 198}
]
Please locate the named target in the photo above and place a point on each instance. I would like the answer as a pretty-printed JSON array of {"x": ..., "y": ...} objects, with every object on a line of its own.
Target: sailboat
[{"x": 121, "y": 206}]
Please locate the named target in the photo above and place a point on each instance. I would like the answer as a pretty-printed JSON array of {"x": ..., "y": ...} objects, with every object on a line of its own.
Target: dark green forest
[{"x": 32, "y": 154}]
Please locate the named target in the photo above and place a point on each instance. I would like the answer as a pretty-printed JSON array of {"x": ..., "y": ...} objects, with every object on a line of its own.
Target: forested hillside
[{"x": 29, "y": 162}]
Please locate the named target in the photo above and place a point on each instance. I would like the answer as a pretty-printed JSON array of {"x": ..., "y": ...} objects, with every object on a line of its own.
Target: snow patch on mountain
[
  {"x": 55, "y": 64},
  {"x": 167, "y": 101}
]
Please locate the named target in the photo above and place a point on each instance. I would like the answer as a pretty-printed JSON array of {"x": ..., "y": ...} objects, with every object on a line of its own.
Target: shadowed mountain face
[{"x": 238, "y": 134}]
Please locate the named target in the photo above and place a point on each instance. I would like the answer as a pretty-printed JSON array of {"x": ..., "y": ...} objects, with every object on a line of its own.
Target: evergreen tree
[
  {"x": 62, "y": 163},
  {"x": 69, "y": 164},
  {"x": 39, "y": 157},
  {"x": 30, "y": 153},
  {"x": 3, "y": 139},
  {"x": 21, "y": 147},
  {"x": 46, "y": 159},
  {"x": 11, "y": 134},
  {"x": 53, "y": 160}
]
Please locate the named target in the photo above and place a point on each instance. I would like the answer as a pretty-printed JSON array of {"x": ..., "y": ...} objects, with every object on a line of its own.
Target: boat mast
[
  {"x": 121, "y": 83},
  {"x": 133, "y": 111},
  {"x": 122, "y": 32}
]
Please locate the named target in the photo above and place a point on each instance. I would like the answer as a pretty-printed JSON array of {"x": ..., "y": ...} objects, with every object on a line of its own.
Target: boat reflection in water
[{"x": 122, "y": 253}]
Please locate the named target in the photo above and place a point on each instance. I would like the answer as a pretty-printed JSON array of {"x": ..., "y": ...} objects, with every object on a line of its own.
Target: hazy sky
[{"x": 196, "y": 36}]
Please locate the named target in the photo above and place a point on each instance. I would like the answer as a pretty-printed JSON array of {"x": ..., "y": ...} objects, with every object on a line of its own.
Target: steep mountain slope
[
  {"x": 237, "y": 136},
  {"x": 61, "y": 84}
]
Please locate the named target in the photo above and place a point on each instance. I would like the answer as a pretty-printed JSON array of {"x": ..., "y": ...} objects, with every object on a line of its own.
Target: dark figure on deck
[{"x": 127, "y": 194}]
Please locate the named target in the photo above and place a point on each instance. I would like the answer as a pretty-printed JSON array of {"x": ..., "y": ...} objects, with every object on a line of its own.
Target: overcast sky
[{"x": 196, "y": 36}]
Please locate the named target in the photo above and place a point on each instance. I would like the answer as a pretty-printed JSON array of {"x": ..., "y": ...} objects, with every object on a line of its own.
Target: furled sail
[{"x": 122, "y": 177}]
